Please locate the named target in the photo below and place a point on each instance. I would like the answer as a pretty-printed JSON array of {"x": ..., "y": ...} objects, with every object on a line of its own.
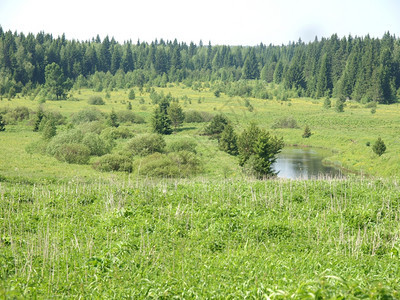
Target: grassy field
[
  {"x": 207, "y": 239},
  {"x": 346, "y": 134},
  {"x": 70, "y": 231}
]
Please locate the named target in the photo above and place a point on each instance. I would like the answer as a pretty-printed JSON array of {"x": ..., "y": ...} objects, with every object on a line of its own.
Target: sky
[{"x": 223, "y": 22}]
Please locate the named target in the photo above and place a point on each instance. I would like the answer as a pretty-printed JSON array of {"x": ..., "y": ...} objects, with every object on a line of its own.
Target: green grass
[{"x": 235, "y": 239}]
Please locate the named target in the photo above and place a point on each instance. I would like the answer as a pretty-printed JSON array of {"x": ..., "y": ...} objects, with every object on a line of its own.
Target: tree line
[{"x": 360, "y": 68}]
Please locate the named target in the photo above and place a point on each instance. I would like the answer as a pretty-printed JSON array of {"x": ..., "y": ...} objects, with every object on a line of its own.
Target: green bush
[
  {"x": 176, "y": 164},
  {"x": 127, "y": 116},
  {"x": 113, "y": 162},
  {"x": 146, "y": 144},
  {"x": 87, "y": 115},
  {"x": 197, "y": 117},
  {"x": 96, "y": 127},
  {"x": 182, "y": 145},
  {"x": 216, "y": 126},
  {"x": 73, "y": 136},
  {"x": 96, "y": 144},
  {"x": 112, "y": 133},
  {"x": 14, "y": 115},
  {"x": 73, "y": 153},
  {"x": 96, "y": 100},
  {"x": 285, "y": 122}
]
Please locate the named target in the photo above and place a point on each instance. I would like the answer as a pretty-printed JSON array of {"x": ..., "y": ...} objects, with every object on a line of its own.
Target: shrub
[
  {"x": 286, "y": 122},
  {"x": 113, "y": 162},
  {"x": 182, "y": 145},
  {"x": 17, "y": 114},
  {"x": 96, "y": 127},
  {"x": 379, "y": 147},
  {"x": 73, "y": 136},
  {"x": 197, "y": 117},
  {"x": 176, "y": 164},
  {"x": 127, "y": 116},
  {"x": 96, "y": 100},
  {"x": 131, "y": 95},
  {"x": 73, "y": 153},
  {"x": 112, "y": 133},
  {"x": 146, "y": 144},
  {"x": 216, "y": 126},
  {"x": 87, "y": 115},
  {"x": 96, "y": 144},
  {"x": 307, "y": 132}
]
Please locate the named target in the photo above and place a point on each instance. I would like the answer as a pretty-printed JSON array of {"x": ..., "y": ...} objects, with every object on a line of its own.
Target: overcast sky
[{"x": 233, "y": 22}]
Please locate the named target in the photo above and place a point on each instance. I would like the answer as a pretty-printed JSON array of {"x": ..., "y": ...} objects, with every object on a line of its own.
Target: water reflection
[{"x": 303, "y": 163}]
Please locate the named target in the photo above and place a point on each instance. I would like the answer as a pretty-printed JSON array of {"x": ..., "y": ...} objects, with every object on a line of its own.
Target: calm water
[{"x": 303, "y": 163}]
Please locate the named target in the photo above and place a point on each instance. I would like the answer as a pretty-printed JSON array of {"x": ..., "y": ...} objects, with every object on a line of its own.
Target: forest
[{"x": 363, "y": 69}]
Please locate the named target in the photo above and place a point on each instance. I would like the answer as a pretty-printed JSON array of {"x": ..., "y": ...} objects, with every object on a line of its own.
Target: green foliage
[
  {"x": 73, "y": 153},
  {"x": 56, "y": 84},
  {"x": 96, "y": 144},
  {"x": 307, "y": 132},
  {"x": 2, "y": 124},
  {"x": 113, "y": 133},
  {"x": 327, "y": 103},
  {"x": 228, "y": 140},
  {"x": 258, "y": 150},
  {"x": 96, "y": 100},
  {"x": 38, "y": 119},
  {"x": 112, "y": 119},
  {"x": 161, "y": 122},
  {"x": 176, "y": 114},
  {"x": 87, "y": 115},
  {"x": 146, "y": 144},
  {"x": 129, "y": 106},
  {"x": 285, "y": 122},
  {"x": 113, "y": 162},
  {"x": 193, "y": 116},
  {"x": 131, "y": 95},
  {"x": 339, "y": 106},
  {"x": 175, "y": 164},
  {"x": 127, "y": 116},
  {"x": 379, "y": 147},
  {"x": 49, "y": 130},
  {"x": 216, "y": 126},
  {"x": 182, "y": 145}
]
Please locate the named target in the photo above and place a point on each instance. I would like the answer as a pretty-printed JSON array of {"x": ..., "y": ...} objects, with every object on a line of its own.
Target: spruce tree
[
  {"x": 2, "y": 124},
  {"x": 112, "y": 119},
  {"x": 307, "y": 132},
  {"x": 175, "y": 114},
  {"x": 228, "y": 140},
  {"x": 379, "y": 147},
  {"x": 327, "y": 102},
  {"x": 161, "y": 122}
]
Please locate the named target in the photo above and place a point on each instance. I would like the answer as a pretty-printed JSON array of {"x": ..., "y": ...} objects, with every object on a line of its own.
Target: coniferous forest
[{"x": 363, "y": 69}]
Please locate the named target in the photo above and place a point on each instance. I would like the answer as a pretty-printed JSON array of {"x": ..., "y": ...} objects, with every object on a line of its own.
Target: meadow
[{"x": 71, "y": 231}]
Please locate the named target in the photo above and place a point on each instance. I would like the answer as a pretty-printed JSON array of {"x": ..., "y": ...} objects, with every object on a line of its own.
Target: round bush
[
  {"x": 73, "y": 136},
  {"x": 96, "y": 100},
  {"x": 182, "y": 145},
  {"x": 96, "y": 144},
  {"x": 113, "y": 162},
  {"x": 146, "y": 144},
  {"x": 87, "y": 115},
  {"x": 73, "y": 153}
]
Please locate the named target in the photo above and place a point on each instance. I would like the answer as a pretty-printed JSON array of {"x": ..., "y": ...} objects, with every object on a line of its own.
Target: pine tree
[
  {"x": 175, "y": 114},
  {"x": 339, "y": 106},
  {"x": 228, "y": 140},
  {"x": 129, "y": 107},
  {"x": 307, "y": 132},
  {"x": 161, "y": 122},
  {"x": 131, "y": 95},
  {"x": 49, "y": 130},
  {"x": 379, "y": 147},
  {"x": 2, "y": 124},
  {"x": 112, "y": 119},
  {"x": 327, "y": 102},
  {"x": 250, "y": 67}
]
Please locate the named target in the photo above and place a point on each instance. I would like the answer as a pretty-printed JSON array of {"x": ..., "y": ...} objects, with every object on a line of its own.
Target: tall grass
[{"x": 200, "y": 238}]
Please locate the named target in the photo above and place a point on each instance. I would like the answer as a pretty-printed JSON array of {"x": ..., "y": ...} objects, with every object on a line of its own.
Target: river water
[{"x": 304, "y": 163}]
